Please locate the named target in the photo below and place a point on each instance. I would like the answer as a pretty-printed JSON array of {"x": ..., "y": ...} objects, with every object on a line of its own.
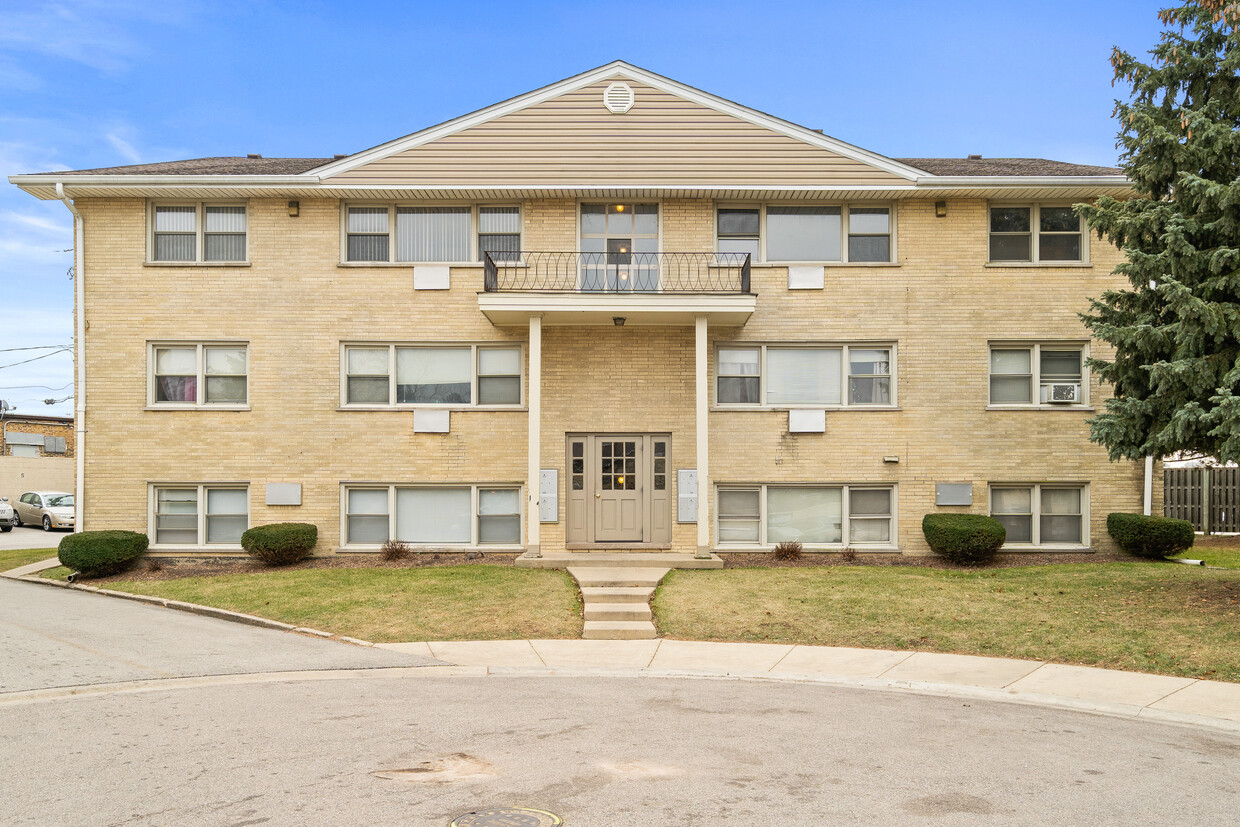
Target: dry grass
[
  {"x": 1149, "y": 617},
  {"x": 391, "y": 605},
  {"x": 1216, "y": 551}
]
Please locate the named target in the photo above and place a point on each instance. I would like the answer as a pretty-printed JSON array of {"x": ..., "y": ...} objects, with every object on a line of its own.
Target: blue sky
[{"x": 101, "y": 83}]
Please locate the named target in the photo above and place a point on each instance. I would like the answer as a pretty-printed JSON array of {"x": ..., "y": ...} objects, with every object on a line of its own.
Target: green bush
[
  {"x": 280, "y": 544},
  {"x": 965, "y": 539},
  {"x": 1152, "y": 537},
  {"x": 101, "y": 552}
]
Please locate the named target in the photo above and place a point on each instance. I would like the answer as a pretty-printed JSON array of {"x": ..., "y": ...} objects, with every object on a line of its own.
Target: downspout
[
  {"x": 79, "y": 357},
  {"x": 1149, "y": 485}
]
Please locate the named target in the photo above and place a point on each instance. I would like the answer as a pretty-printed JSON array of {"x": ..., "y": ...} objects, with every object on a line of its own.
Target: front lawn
[
  {"x": 1216, "y": 551},
  {"x": 470, "y": 602},
  {"x": 1148, "y": 617},
  {"x": 16, "y": 558}
]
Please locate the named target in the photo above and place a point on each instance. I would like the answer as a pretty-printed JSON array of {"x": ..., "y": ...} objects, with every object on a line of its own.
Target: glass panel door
[{"x": 619, "y": 247}]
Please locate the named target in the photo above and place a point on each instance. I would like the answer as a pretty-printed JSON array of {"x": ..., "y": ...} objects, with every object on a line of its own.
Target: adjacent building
[{"x": 617, "y": 312}]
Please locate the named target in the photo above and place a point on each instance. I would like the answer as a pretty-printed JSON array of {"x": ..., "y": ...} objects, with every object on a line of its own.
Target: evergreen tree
[{"x": 1176, "y": 374}]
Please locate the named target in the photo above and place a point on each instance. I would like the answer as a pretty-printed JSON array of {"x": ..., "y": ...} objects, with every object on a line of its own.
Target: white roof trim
[
  {"x": 619, "y": 68},
  {"x": 43, "y": 179},
  {"x": 962, "y": 181}
]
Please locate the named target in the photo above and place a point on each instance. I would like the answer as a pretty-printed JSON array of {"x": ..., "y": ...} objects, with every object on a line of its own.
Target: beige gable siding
[{"x": 573, "y": 139}]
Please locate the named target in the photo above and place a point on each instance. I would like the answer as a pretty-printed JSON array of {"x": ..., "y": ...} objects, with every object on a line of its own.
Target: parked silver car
[
  {"x": 8, "y": 517},
  {"x": 51, "y": 509}
]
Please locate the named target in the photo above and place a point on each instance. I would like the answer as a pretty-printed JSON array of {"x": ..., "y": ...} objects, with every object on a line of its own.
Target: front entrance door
[
  {"x": 618, "y": 491},
  {"x": 617, "y": 494}
]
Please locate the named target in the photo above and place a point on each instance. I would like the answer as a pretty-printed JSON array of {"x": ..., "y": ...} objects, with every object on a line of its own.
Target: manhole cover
[{"x": 507, "y": 817}]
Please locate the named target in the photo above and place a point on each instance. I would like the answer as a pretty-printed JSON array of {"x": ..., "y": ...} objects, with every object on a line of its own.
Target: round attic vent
[{"x": 618, "y": 98}]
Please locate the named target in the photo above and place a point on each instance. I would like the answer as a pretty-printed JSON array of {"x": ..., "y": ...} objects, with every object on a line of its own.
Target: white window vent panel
[
  {"x": 618, "y": 98},
  {"x": 431, "y": 278},
  {"x": 430, "y": 421},
  {"x": 812, "y": 421},
  {"x": 805, "y": 278},
  {"x": 686, "y": 495},
  {"x": 548, "y": 495},
  {"x": 283, "y": 493}
]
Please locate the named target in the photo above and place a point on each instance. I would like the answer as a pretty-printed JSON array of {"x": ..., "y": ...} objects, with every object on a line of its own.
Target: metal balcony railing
[{"x": 615, "y": 272}]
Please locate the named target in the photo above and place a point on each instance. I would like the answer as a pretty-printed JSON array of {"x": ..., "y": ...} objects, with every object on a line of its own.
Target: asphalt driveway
[
  {"x": 53, "y": 637},
  {"x": 28, "y": 537}
]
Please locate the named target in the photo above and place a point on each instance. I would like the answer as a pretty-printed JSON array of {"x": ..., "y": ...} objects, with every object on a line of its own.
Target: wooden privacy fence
[{"x": 1209, "y": 498}]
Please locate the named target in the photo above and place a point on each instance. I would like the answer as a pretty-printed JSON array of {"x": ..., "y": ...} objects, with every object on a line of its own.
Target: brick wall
[{"x": 295, "y": 304}]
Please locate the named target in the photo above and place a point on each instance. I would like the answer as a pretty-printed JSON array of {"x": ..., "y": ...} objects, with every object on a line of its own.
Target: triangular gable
[{"x": 564, "y": 136}]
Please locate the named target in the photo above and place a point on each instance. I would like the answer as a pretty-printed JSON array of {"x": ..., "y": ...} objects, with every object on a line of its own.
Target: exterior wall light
[
  {"x": 940, "y": 209},
  {"x": 618, "y": 321},
  {"x": 294, "y": 209}
]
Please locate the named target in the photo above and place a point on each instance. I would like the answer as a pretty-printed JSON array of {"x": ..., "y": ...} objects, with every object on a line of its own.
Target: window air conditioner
[{"x": 1063, "y": 393}]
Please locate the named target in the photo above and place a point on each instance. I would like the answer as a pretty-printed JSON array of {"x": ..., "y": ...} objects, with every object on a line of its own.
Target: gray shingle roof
[
  {"x": 1004, "y": 166},
  {"x": 294, "y": 166}
]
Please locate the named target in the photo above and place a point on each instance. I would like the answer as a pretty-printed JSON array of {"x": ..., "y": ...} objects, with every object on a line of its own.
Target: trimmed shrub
[
  {"x": 788, "y": 550},
  {"x": 101, "y": 552},
  {"x": 965, "y": 539},
  {"x": 280, "y": 544},
  {"x": 1150, "y": 537}
]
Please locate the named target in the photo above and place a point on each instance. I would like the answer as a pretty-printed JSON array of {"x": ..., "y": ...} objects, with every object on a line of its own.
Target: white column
[
  {"x": 703, "y": 440},
  {"x": 1149, "y": 485},
  {"x": 535, "y": 439}
]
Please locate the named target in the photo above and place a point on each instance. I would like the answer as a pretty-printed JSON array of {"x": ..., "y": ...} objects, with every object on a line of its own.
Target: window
[
  {"x": 779, "y": 376},
  {"x": 1056, "y": 372},
  {"x": 778, "y": 233},
  {"x": 458, "y": 515},
  {"x": 184, "y": 375},
  {"x": 198, "y": 515},
  {"x": 426, "y": 375},
  {"x": 390, "y": 233},
  {"x": 198, "y": 233},
  {"x": 1041, "y": 514},
  {"x": 1036, "y": 234},
  {"x": 766, "y": 515}
]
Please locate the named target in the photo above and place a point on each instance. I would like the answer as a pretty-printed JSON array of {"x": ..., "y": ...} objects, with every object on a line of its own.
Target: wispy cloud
[{"x": 126, "y": 149}]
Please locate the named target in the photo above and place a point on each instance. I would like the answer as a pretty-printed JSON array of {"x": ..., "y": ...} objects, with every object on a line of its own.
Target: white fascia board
[{"x": 620, "y": 69}]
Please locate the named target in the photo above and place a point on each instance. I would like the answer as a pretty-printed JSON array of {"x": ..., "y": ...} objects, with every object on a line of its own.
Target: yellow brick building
[{"x": 615, "y": 313}]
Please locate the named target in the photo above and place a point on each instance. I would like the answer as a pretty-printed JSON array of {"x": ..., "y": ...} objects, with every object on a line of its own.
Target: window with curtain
[
  {"x": 456, "y": 515},
  {"x": 1041, "y": 514},
  {"x": 808, "y": 233},
  {"x": 199, "y": 515},
  {"x": 431, "y": 234},
  {"x": 777, "y": 375},
  {"x": 432, "y": 375},
  {"x": 199, "y": 374},
  {"x": 200, "y": 232},
  {"x": 1018, "y": 371},
  {"x": 803, "y": 233},
  {"x": 815, "y": 515}
]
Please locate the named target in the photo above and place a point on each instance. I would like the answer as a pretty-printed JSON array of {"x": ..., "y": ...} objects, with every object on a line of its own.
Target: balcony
[{"x": 617, "y": 287}]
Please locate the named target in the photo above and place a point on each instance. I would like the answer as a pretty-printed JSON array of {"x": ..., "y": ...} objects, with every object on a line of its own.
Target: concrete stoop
[{"x": 617, "y": 600}]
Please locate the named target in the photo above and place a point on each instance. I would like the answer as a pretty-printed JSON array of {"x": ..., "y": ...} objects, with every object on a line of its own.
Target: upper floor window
[
  {"x": 1041, "y": 374},
  {"x": 778, "y": 233},
  {"x": 795, "y": 375},
  {"x": 423, "y": 375},
  {"x": 1037, "y": 233},
  {"x": 194, "y": 374},
  {"x": 198, "y": 232},
  {"x": 447, "y": 234}
]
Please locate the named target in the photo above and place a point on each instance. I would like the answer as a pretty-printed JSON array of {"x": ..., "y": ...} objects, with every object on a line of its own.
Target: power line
[
  {"x": 36, "y": 347},
  {"x": 32, "y": 387},
  {"x": 35, "y": 358}
]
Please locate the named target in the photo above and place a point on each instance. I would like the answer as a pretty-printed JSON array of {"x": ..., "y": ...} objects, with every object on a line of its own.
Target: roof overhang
[
  {"x": 667, "y": 309},
  {"x": 310, "y": 186}
]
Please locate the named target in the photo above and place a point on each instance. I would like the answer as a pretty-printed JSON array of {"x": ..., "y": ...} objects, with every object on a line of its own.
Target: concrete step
[
  {"x": 619, "y": 630},
  {"x": 617, "y": 594},
  {"x": 617, "y": 611},
  {"x": 618, "y": 559},
  {"x": 624, "y": 577}
]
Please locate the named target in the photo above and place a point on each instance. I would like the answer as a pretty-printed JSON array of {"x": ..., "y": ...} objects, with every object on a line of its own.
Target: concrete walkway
[{"x": 1127, "y": 694}]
